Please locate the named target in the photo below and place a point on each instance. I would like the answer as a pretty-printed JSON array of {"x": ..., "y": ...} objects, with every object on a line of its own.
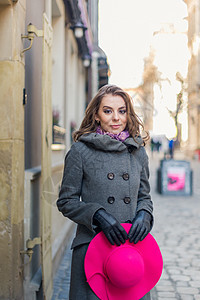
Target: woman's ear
[{"x": 97, "y": 119}]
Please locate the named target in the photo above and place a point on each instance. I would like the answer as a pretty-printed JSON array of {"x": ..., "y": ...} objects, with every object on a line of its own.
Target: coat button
[
  {"x": 111, "y": 176},
  {"x": 127, "y": 200},
  {"x": 111, "y": 200},
  {"x": 125, "y": 176}
]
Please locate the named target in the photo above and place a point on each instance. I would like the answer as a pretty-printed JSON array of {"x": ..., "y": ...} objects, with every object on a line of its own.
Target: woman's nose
[{"x": 115, "y": 116}]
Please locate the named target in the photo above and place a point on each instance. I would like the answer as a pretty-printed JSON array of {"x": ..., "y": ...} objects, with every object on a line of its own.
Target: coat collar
[{"x": 106, "y": 143}]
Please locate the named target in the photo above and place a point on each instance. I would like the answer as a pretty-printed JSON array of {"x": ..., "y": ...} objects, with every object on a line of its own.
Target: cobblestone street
[{"x": 176, "y": 230}]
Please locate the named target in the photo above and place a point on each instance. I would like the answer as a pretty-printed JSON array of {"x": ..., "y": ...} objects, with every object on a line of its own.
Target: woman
[{"x": 105, "y": 180}]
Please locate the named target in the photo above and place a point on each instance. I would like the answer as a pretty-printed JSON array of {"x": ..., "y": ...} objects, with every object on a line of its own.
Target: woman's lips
[{"x": 115, "y": 126}]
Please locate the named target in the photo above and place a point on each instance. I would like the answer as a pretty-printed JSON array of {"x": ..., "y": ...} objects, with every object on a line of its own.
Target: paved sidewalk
[
  {"x": 176, "y": 229},
  {"x": 62, "y": 279}
]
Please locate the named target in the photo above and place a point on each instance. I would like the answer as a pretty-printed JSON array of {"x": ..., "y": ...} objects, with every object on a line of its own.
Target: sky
[
  {"x": 125, "y": 33},
  {"x": 126, "y": 30}
]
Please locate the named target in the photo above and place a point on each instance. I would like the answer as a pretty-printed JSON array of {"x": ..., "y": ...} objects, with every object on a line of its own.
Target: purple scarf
[{"x": 119, "y": 137}]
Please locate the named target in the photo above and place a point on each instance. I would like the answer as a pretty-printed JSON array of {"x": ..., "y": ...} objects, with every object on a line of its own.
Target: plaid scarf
[{"x": 119, "y": 137}]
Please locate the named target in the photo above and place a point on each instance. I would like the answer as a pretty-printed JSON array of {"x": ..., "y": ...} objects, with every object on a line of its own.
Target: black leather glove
[
  {"x": 112, "y": 229},
  {"x": 142, "y": 224}
]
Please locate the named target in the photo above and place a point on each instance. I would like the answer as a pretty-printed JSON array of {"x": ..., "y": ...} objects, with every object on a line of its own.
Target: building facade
[
  {"x": 193, "y": 76},
  {"x": 143, "y": 95},
  {"x": 48, "y": 72}
]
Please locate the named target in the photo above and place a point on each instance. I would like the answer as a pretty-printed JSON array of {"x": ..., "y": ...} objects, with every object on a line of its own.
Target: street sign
[{"x": 174, "y": 177}]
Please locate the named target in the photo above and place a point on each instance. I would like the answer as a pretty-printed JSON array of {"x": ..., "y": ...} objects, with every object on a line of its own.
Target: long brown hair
[{"x": 89, "y": 124}]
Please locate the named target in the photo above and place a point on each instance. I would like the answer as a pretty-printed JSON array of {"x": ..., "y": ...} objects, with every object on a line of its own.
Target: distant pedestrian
[
  {"x": 158, "y": 145},
  {"x": 152, "y": 145},
  {"x": 165, "y": 147},
  {"x": 171, "y": 148},
  {"x": 106, "y": 183}
]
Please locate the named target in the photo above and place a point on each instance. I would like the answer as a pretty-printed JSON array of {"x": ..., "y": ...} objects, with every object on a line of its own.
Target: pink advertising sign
[{"x": 176, "y": 178}]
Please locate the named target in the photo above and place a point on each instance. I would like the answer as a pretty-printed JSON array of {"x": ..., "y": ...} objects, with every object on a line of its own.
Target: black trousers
[{"x": 79, "y": 288}]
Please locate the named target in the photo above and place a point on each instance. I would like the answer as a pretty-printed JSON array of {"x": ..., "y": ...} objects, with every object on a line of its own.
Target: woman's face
[{"x": 112, "y": 114}]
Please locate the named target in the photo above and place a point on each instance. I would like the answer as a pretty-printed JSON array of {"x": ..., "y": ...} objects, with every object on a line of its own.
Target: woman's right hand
[{"x": 112, "y": 229}]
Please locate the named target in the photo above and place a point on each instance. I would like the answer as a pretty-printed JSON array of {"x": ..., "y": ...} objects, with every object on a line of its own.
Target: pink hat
[{"x": 125, "y": 272}]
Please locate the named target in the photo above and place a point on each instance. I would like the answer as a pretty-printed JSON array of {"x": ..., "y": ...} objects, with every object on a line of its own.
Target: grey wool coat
[{"x": 101, "y": 172}]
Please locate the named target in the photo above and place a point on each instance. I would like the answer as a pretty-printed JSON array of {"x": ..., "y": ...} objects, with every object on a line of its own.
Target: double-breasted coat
[{"x": 101, "y": 172}]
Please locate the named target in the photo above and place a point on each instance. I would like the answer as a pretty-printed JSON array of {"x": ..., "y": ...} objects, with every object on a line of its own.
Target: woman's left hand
[{"x": 142, "y": 224}]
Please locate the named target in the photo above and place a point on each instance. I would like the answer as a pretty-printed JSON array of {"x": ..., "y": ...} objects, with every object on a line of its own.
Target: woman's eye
[
  {"x": 122, "y": 111},
  {"x": 107, "y": 111}
]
